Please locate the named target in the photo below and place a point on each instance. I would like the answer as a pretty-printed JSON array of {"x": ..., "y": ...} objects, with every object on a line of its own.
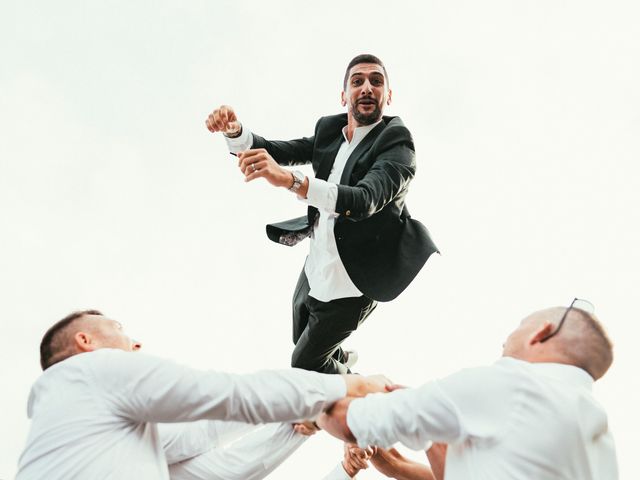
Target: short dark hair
[
  {"x": 52, "y": 345},
  {"x": 363, "y": 58}
]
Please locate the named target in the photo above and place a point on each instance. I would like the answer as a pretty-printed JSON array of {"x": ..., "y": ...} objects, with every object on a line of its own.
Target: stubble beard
[{"x": 365, "y": 119}]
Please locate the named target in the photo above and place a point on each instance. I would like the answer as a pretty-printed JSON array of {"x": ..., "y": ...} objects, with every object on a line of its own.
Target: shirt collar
[
  {"x": 359, "y": 133},
  {"x": 559, "y": 371}
]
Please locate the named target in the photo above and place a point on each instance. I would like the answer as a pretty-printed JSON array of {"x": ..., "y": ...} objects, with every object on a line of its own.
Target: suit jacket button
[{"x": 347, "y": 213}]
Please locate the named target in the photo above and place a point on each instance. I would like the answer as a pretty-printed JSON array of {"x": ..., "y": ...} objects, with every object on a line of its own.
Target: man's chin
[{"x": 367, "y": 119}]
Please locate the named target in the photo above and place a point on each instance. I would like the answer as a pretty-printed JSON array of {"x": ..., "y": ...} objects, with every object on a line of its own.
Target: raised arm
[
  {"x": 146, "y": 388},
  {"x": 413, "y": 417}
]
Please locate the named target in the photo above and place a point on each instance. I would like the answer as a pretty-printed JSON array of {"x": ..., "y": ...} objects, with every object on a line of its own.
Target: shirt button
[{"x": 347, "y": 213}]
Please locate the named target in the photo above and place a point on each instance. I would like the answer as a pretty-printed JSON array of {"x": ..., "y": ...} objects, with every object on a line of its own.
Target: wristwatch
[{"x": 298, "y": 178}]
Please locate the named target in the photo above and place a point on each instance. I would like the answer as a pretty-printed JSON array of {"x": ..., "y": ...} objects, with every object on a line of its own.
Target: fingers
[
  {"x": 356, "y": 457},
  {"x": 307, "y": 428},
  {"x": 394, "y": 387},
  {"x": 250, "y": 157},
  {"x": 222, "y": 119}
]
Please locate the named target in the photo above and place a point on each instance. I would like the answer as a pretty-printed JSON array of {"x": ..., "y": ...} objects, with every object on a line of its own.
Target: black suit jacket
[{"x": 380, "y": 245}]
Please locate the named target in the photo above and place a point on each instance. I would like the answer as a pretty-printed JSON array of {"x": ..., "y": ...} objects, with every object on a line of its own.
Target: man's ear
[
  {"x": 543, "y": 332},
  {"x": 389, "y": 97},
  {"x": 343, "y": 99},
  {"x": 84, "y": 342}
]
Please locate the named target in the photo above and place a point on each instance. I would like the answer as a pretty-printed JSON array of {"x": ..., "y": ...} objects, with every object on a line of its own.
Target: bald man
[{"x": 530, "y": 415}]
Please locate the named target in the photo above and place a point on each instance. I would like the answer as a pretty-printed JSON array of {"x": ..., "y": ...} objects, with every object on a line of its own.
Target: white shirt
[
  {"x": 513, "y": 420},
  {"x": 94, "y": 415},
  {"x": 328, "y": 279},
  {"x": 217, "y": 450},
  {"x": 234, "y": 451}
]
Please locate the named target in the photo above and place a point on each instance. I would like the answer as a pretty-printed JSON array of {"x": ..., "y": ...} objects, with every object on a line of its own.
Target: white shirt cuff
[
  {"x": 321, "y": 194},
  {"x": 241, "y": 143},
  {"x": 338, "y": 473}
]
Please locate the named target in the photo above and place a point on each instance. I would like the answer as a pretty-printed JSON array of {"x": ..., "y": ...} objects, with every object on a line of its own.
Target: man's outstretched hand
[{"x": 224, "y": 119}]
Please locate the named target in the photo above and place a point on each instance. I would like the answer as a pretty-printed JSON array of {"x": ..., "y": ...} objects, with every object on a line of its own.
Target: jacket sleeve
[
  {"x": 392, "y": 170},
  {"x": 288, "y": 153}
]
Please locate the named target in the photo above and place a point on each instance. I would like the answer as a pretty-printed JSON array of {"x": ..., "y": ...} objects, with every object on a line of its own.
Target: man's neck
[{"x": 352, "y": 124}]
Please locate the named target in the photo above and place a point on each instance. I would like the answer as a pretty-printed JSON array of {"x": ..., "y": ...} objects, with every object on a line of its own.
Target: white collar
[
  {"x": 359, "y": 133},
  {"x": 559, "y": 371}
]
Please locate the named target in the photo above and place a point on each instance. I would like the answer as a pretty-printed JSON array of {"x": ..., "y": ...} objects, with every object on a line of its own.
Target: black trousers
[{"x": 320, "y": 327}]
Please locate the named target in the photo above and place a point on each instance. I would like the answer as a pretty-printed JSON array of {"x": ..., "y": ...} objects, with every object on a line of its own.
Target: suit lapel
[
  {"x": 328, "y": 159},
  {"x": 324, "y": 170},
  {"x": 356, "y": 155}
]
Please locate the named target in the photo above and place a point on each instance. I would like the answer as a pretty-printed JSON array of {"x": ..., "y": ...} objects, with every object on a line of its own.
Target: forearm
[
  {"x": 392, "y": 464},
  {"x": 182, "y": 441},
  {"x": 287, "y": 153},
  {"x": 334, "y": 421},
  {"x": 252, "y": 457},
  {"x": 146, "y": 388},
  {"x": 414, "y": 417}
]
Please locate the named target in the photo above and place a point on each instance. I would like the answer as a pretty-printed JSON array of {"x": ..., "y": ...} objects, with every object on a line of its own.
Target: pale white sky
[{"x": 113, "y": 195}]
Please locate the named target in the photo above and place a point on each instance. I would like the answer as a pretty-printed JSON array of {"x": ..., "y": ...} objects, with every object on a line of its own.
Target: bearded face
[
  {"x": 366, "y": 93},
  {"x": 367, "y": 110}
]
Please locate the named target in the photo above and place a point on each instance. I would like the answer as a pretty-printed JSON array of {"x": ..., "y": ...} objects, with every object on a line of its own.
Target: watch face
[{"x": 298, "y": 178}]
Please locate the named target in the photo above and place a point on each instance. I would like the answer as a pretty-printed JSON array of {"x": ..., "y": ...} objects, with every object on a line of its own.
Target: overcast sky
[{"x": 113, "y": 195}]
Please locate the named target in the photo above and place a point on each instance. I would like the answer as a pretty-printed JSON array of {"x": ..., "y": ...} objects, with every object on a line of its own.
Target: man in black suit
[{"x": 365, "y": 247}]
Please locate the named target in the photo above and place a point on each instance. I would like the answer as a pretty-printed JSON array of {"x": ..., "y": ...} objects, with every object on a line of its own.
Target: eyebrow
[{"x": 362, "y": 74}]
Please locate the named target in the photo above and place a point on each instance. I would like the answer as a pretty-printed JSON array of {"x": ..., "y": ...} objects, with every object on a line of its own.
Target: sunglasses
[{"x": 578, "y": 304}]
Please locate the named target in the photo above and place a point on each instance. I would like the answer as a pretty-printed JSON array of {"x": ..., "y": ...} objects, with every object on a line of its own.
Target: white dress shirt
[
  {"x": 239, "y": 452},
  {"x": 328, "y": 279},
  {"x": 217, "y": 450},
  {"x": 513, "y": 420},
  {"x": 94, "y": 415}
]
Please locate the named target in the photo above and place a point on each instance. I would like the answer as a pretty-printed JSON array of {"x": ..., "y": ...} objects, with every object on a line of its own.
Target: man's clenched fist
[{"x": 224, "y": 120}]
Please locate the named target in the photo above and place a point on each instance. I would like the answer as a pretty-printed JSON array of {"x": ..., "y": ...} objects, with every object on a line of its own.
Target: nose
[
  {"x": 367, "y": 88},
  {"x": 136, "y": 345}
]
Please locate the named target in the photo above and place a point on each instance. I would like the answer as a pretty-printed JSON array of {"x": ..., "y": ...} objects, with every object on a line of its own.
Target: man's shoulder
[
  {"x": 332, "y": 122},
  {"x": 340, "y": 120}
]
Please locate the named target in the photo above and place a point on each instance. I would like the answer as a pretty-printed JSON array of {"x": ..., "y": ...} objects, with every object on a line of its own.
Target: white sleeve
[
  {"x": 413, "y": 417},
  {"x": 321, "y": 194},
  {"x": 182, "y": 441},
  {"x": 253, "y": 457},
  {"x": 338, "y": 473},
  {"x": 472, "y": 402},
  {"x": 240, "y": 143},
  {"x": 144, "y": 388}
]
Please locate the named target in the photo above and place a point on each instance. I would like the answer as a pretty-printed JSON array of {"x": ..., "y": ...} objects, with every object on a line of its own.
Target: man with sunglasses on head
[
  {"x": 364, "y": 246},
  {"x": 530, "y": 415}
]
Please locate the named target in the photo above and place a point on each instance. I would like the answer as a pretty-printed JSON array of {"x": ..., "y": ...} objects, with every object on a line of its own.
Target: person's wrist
[
  {"x": 352, "y": 472},
  {"x": 295, "y": 181},
  {"x": 234, "y": 134}
]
